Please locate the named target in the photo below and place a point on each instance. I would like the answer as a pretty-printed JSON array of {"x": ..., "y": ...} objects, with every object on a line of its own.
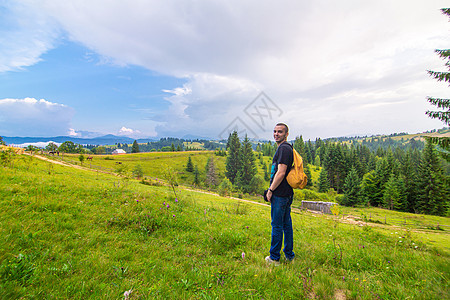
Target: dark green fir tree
[
  {"x": 135, "y": 147},
  {"x": 324, "y": 184},
  {"x": 247, "y": 168},
  {"x": 351, "y": 189},
  {"x": 233, "y": 163},
  {"x": 189, "y": 165}
]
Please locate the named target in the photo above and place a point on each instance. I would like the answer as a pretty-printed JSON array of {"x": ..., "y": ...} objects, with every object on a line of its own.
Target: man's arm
[{"x": 277, "y": 179}]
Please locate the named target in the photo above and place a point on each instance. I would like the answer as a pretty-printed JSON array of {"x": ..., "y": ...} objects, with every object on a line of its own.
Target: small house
[{"x": 118, "y": 151}]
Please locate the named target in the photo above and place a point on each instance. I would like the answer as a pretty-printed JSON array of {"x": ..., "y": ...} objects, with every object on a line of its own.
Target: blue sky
[
  {"x": 102, "y": 97},
  {"x": 173, "y": 68}
]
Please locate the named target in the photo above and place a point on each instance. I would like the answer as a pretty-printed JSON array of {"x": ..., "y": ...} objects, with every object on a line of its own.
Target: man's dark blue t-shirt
[{"x": 284, "y": 155}]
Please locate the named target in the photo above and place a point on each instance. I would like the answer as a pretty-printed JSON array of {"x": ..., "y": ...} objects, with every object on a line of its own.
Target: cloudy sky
[{"x": 146, "y": 68}]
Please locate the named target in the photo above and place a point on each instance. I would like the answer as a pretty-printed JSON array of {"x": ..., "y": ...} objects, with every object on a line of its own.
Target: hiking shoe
[
  {"x": 290, "y": 260},
  {"x": 272, "y": 262}
]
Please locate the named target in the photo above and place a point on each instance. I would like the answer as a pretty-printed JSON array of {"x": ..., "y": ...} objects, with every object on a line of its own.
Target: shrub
[
  {"x": 137, "y": 172},
  {"x": 225, "y": 187},
  {"x": 257, "y": 184}
]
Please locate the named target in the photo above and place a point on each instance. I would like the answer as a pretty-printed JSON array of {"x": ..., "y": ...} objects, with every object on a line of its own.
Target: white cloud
[
  {"x": 334, "y": 68},
  {"x": 205, "y": 105},
  {"x": 72, "y": 132},
  {"x": 25, "y": 34},
  {"x": 32, "y": 117},
  {"x": 128, "y": 131}
]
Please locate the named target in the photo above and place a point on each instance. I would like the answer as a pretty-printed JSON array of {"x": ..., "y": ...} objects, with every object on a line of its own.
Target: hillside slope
[{"x": 69, "y": 233}]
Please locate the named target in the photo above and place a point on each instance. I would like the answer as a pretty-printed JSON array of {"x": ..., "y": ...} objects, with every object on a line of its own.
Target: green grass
[
  {"x": 75, "y": 234},
  {"x": 154, "y": 164}
]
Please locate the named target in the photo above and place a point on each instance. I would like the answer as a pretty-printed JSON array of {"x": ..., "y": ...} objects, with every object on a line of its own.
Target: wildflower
[
  {"x": 246, "y": 227},
  {"x": 174, "y": 216},
  {"x": 243, "y": 255},
  {"x": 127, "y": 294},
  {"x": 176, "y": 199},
  {"x": 343, "y": 277},
  {"x": 168, "y": 205}
]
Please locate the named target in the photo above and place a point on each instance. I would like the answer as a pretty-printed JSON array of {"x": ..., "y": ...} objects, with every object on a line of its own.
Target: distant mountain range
[{"x": 109, "y": 139}]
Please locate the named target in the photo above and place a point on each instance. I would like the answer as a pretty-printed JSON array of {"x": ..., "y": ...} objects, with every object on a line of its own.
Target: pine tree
[
  {"x": 317, "y": 161},
  {"x": 135, "y": 147},
  {"x": 335, "y": 165},
  {"x": 433, "y": 192},
  {"x": 369, "y": 190},
  {"x": 443, "y": 104},
  {"x": 189, "y": 165},
  {"x": 351, "y": 189},
  {"x": 444, "y": 116},
  {"x": 409, "y": 175},
  {"x": 381, "y": 176},
  {"x": 311, "y": 151},
  {"x": 233, "y": 163},
  {"x": 307, "y": 171},
  {"x": 247, "y": 168},
  {"x": 266, "y": 172},
  {"x": 211, "y": 174},
  {"x": 299, "y": 146},
  {"x": 392, "y": 194},
  {"x": 196, "y": 176},
  {"x": 324, "y": 184},
  {"x": 229, "y": 141}
]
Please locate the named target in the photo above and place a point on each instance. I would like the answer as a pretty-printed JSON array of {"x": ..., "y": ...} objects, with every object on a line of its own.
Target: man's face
[{"x": 280, "y": 134}]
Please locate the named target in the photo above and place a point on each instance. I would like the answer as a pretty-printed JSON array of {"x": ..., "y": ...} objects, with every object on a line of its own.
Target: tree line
[{"x": 402, "y": 178}]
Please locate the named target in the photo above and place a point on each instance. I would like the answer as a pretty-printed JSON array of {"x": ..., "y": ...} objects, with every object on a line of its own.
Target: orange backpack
[{"x": 296, "y": 178}]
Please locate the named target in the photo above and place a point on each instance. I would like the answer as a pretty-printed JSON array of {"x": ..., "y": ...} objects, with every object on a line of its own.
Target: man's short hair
[{"x": 285, "y": 126}]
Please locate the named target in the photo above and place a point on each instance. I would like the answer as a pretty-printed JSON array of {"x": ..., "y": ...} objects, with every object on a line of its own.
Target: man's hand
[{"x": 269, "y": 195}]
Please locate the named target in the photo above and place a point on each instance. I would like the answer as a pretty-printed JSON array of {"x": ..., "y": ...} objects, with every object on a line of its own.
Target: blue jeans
[{"x": 281, "y": 223}]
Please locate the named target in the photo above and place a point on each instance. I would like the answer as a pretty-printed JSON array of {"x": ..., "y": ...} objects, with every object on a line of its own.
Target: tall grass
[{"x": 74, "y": 234}]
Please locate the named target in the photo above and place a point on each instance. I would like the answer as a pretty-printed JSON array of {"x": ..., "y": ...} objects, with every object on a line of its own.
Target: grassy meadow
[
  {"x": 155, "y": 164},
  {"x": 68, "y": 233}
]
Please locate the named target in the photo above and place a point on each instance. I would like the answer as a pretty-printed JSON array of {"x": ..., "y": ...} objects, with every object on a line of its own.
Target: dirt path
[{"x": 62, "y": 163}]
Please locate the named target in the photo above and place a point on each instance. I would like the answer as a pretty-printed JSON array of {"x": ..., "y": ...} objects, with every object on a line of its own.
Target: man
[{"x": 280, "y": 196}]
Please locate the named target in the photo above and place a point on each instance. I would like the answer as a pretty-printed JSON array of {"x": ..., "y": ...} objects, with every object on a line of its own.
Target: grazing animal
[{"x": 89, "y": 158}]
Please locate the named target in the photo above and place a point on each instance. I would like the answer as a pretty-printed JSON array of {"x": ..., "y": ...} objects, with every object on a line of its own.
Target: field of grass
[
  {"x": 75, "y": 234},
  {"x": 155, "y": 164}
]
